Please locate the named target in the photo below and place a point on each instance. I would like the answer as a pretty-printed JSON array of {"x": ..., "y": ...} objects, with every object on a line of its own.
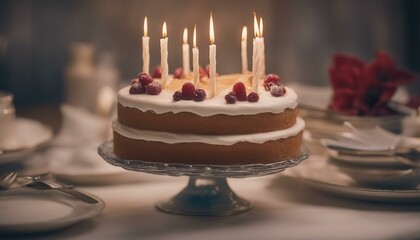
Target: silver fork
[
  {"x": 7, "y": 179},
  {"x": 41, "y": 185}
]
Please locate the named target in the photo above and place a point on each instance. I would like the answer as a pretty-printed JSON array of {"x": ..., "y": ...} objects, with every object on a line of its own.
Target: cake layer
[
  {"x": 173, "y": 138},
  {"x": 203, "y": 153},
  {"x": 219, "y": 124},
  {"x": 213, "y": 116}
]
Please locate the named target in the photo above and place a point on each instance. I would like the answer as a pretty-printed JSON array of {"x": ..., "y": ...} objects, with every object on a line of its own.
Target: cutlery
[
  {"x": 409, "y": 155},
  {"x": 41, "y": 185},
  {"x": 7, "y": 179},
  {"x": 410, "y": 151},
  {"x": 44, "y": 176}
]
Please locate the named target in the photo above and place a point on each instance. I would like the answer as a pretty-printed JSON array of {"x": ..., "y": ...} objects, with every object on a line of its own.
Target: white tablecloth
[{"x": 284, "y": 209}]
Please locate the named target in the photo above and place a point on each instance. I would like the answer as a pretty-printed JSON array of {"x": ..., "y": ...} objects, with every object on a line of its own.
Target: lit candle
[
  {"x": 255, "y": 57},
  {"x": 212, "y": 55},
  {"x": 146, "y": 54},
  {"x": 196, "y": 64},
  {"x": 186, "y": 53},
  {"x": 244, "y": 50},
  {"x": 261, "y": 49},
  {"x": 164, "y": 56}
]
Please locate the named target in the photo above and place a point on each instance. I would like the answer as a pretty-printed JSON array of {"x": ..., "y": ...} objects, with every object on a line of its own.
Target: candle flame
[
  {"x": 185, "y": 37},
  {"x": 211, "y": 29},
  {"x": 195, "y": 37},
  {"x": 261, "y": 27},
  {"x": 244, "y": 33},
  {"x": 145, "y": 26},
  {"x": 256, "y": 31},
  {"x": 164, "y": 31}
]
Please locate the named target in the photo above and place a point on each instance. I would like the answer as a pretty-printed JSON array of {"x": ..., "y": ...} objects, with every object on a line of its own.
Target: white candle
[
  {"x": 186, "y": 53},
  {"x": 146, "y": 54},
  {"x": 244, "y": 50},
  {"x": 164, "y": 56},
  {"x": 261, "y": 49},
  {"x": 196, "y": 64},
  {"x": 212, "y": 56},
  {"x": 255, "y": 57}
]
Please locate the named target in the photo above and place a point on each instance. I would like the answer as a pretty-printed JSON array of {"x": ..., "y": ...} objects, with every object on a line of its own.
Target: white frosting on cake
[
  {"x": 172, "y": 138},
  {"x": 164, "y": 103}
]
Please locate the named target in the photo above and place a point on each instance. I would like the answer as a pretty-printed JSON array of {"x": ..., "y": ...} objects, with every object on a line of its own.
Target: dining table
[{"x": 284, "y": 207}]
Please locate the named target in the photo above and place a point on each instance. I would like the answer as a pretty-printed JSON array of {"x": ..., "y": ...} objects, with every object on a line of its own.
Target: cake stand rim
[{"x": 201, "y": 170}]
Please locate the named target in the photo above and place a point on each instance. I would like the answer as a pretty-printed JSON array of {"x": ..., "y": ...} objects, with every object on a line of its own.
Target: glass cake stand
[{"x": 207, "y": 192}]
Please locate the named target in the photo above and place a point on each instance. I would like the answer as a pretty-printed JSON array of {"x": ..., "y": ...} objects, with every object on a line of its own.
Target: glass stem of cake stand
[{"x": 206, "y": 197}]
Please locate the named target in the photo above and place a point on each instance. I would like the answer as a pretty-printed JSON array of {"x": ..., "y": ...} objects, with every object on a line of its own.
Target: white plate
[
  {"x": 29, "y": 210},
  {"x": 318, "y": 173},
  {"x": 30, "y": 135},
  {"x": 404, "y": 178},
  {"x": 373, "y": 161}
]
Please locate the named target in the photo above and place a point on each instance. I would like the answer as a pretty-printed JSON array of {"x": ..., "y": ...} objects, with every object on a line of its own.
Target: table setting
[{"x": 200, "y": 154}]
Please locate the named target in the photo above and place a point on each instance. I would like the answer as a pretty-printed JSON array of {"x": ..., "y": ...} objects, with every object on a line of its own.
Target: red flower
[
  {"x": 365, "y": 89},
  {"x": 346, "y": 72},
  {"x": 414, "y": 102},
  {"x": 384, "y": 73},
  {"x": 346, "y": 76}
]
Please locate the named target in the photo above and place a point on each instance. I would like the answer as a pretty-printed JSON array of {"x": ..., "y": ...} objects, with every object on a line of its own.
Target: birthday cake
[
  {"x": 161, "y": 127},
  {"x": 188, "y": 118}
]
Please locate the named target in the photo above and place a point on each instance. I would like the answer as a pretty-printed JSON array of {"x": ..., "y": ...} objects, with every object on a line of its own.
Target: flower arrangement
[{"x": 364, "y": 89}]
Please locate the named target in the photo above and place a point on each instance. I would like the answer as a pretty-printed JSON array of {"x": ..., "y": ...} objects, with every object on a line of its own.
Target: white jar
[{"x": 7, "y": 121}]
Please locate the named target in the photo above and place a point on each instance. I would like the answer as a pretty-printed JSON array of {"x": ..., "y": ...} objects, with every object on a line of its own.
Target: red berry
[
  {"x": 203, "y": 72},
  {"x": 154, "y": 88},
  {"x": 240, "y": 90},
  {"x": 231, "y": 98},
  {"x": 177, "y": 96},
  {"x": 270, "y": 80},
  {"x": 188, "y": 91},
  {"x": 199, "y": 95},
  {"x": 208, "y": 69},
  {"x": 145, "y": 78},
  {"x": 137, "y": 88},
  {"x": 179, "y": 73},
  {"x": 277, "y": 90},
  {"x": 157, "y": 73},
  {"x": 253, "y": 97}
]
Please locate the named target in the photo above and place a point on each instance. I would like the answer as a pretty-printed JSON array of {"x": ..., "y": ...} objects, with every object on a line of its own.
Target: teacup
[{"x": 7, "y": 122}]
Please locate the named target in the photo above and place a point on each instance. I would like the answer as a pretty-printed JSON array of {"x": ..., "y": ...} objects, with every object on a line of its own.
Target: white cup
[{"x": 7, "y": 121}]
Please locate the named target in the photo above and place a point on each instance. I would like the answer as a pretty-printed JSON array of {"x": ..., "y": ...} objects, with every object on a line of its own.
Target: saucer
[
  {"x": 318, "y": 173},
  {"x": 368, "y": 161},
  {"x": 30, "y": 136},
  {"x": 27, "y": 210},
  {"x": 83, "y": 166},
  {"x": 399, "y": 178}
]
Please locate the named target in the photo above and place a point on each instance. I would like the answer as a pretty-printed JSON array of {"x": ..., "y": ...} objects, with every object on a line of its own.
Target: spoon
[{"x": 7, "y": 180}]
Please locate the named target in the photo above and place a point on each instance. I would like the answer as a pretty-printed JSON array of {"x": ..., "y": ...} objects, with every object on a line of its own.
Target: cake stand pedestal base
[
  {"x": 206, "y": 197},
  {"x": 207, "y": 192}
]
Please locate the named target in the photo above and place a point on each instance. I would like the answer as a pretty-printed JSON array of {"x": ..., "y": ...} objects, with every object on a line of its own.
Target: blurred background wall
[{"x": 301, "y": 36}]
